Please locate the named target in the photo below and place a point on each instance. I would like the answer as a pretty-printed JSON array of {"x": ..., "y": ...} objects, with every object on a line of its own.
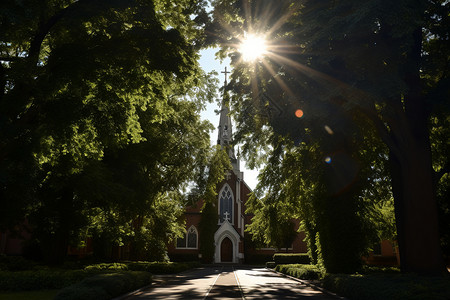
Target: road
[{"x": 227, "y": 282}]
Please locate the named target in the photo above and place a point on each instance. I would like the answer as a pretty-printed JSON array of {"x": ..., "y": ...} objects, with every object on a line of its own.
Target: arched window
[
  {"x": 192, "y": 237},
  {"x": 226, "y": 204},
  {"x": 189, "y": 240}
]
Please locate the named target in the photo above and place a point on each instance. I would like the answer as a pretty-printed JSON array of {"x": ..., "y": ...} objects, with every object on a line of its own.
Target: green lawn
[{"x": 29, "y": 295}]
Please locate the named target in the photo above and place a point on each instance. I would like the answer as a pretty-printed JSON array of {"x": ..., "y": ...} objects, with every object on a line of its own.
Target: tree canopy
[
  {"x": 100, "y": 122},
  {"x": 369, "y": 79}
]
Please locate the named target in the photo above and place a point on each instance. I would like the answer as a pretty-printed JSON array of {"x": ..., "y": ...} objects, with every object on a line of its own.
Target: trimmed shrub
[
  {"x": 308, "y": 272},
  {"x": 291, "y": 258},
  {"x": 258, "y": 258},
  {"x": 161, "y": 267},
  {"x": 45, "y": 278},
  {"x": 388, "y": 286},
  {"x": 105, "y": 286},
  {"x": 15, "y": 263},
  {"x": 183, "y": 257},
  {"x": 40, "y": 279},
  {"x": 271, "y": 264},
  {"x": 107, "y": 266}
]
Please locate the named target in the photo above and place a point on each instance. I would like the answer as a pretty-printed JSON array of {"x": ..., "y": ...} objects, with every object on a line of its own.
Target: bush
[
  {"x": 161, "y": 267},
  {"x": 291, "y": 258},
  {"x": 107, "y": 266},
  {"x": 45, "y": 278},
  {"x": 39, "y": 279},
  {"x": 270, "y": 264},
  {"x": 15, "y": 263},
  {"x": 308, "y": 272},
  {"x": 183, "y": 257},
  {"x": 152, "y": 267},
  {"x": 258, "y": 258},
  {"x": 105, "y": 286},
  {"x": 388, "y": 286}
]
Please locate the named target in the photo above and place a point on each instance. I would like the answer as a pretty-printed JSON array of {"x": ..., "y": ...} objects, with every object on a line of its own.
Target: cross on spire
[{"x": 225, "y": 72}]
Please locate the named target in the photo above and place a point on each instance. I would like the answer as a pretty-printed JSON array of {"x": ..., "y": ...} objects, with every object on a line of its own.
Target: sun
[{"x": 253, "y": 47}]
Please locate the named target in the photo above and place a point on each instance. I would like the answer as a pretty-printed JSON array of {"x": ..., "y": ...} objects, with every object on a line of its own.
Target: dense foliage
[
  {"x": 209, "y": 219},
  {"x": 33, "y": 277},
  {"x": 99, "y": 110},
  {"x": 388, "y": 286},
  {"x": 291, "y": 258},
  {"x": 369, "y": 82},
  {"x": 105, "y": 286},
  {"x": 301, "y": 271}
]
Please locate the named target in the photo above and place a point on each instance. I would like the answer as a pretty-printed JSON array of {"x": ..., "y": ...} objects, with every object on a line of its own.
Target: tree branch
[
  {"x": 45, "y": 27},
  {"x": 439, "y": 174}
]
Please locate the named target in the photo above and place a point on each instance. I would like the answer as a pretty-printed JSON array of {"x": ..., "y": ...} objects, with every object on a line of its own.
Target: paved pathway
[{"x": 227, "y": 282}]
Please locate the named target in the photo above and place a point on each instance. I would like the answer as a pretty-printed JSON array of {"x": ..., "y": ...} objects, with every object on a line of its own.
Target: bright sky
[{"x": 210, "y": 63}]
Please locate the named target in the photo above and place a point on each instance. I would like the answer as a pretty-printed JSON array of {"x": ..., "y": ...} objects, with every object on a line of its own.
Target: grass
[{"x": 29, "y": 295}]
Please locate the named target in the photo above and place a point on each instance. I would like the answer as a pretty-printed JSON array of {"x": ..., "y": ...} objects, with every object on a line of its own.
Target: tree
[
  {"x": 219, "y": 164},
  {"x": 339, "y": 215},
  {"x": 334, "y": 58},
  {"x": 95, "y": 118}
]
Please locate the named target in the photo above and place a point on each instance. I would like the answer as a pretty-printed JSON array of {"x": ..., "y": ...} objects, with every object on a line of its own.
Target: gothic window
[
  {"x": 192, "y": 237},
  {"x": 189, "y": 240},
  {"x": 181, "y": 242},
  {"x": 226, "y": 204}
]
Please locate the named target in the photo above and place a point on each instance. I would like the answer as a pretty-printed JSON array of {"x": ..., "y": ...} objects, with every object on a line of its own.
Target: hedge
[
  {"x": 183, "y": 257},
  {"x": 45, "y": 278},
  {"x": 162, "y": 267},
  {"x": 105, "y": 286},
  {"x": 40, "y": 279},
  {"x": 258, "y": 258},
  {"x": 308, "y": 272},
  {"x": 291, "y": 258},
  {"x": 107, "y": 266},
  {"x": 15, "y": 263},
  {"x": 388, "y": 286},
  {"x": 152, "y": 267}
]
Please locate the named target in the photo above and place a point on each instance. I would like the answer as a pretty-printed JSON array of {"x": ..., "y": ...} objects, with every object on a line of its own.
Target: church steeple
[
  {"x": 225, "y": 129},
  {"x": 225, "y": 126}
]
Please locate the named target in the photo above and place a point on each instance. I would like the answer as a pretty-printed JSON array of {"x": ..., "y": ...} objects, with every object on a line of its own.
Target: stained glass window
[{"x": 226, "y": 205}]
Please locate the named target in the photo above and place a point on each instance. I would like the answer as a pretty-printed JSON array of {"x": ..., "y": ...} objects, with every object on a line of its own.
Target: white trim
[
  {"x": 226, "y": 230},
  {"x": 238, "y": 195}
]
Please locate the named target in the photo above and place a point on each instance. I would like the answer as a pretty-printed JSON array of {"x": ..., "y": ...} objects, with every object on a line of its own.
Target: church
[{"x": 232, "y": 245}]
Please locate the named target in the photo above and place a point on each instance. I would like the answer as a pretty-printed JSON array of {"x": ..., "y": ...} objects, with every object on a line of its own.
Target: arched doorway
[{"x": 226, "y": 250}]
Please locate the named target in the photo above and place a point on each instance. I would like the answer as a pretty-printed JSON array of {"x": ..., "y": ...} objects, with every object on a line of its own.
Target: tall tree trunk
[
  {"x": 416, "y": 214},
  {"x": 56, "y": 243},
  {"x": 411, "y": 165},
  {"x": 419, "y": 217}
]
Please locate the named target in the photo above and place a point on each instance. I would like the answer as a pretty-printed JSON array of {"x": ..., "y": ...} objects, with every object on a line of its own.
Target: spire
[
  {"x": 225, "y": 129},
  {"x": 225, "y": 126}
]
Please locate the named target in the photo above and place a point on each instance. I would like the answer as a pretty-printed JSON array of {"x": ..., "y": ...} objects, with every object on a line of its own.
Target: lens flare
[
  {"x": 329, "y": 130},
  {"x": 253, "y": 47},
  {"x": 299, "y": 113},
  {"x": 328, "y": 160}
]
